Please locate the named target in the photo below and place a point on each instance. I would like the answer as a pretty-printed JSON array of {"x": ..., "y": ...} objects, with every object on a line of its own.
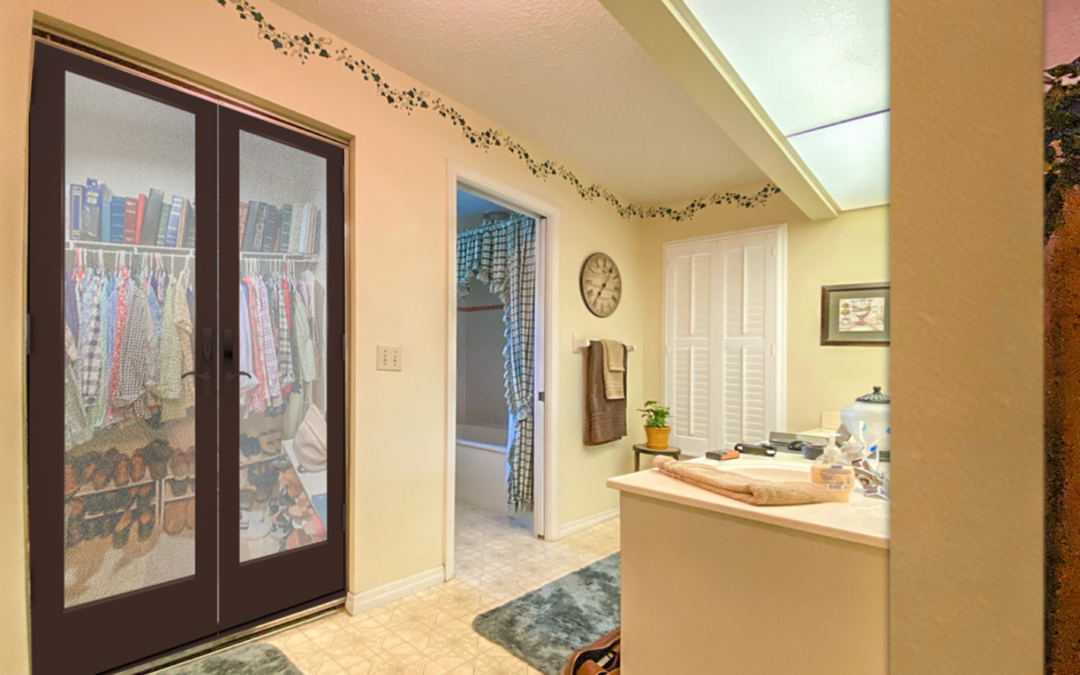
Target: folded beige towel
[
  {"x": 749, "y": 490},
  {"x": 614, "y": 367}
]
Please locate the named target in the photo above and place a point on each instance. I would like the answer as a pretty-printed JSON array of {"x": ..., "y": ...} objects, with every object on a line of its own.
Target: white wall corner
[
  {"x": 358, "y": 603},
  {"x": 567, "y": 529}
]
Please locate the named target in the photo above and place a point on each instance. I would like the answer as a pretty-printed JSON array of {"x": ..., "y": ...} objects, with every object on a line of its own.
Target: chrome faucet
[{"x": 875, "y": 483}]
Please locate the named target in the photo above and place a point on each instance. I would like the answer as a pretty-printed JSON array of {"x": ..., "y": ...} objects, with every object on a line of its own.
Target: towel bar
[{"x": 581, "y": 343}]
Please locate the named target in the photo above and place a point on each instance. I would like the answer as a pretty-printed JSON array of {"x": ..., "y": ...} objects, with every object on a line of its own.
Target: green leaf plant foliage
[
  {"x": 655, "y": 414},
  {"x": 306, "y": 46},
  {"x": 1061, "y": 143}
]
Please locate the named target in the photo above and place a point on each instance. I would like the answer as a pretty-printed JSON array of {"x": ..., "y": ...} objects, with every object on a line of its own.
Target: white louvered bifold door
[
  {"x": 689, "y": 330},
  {"x": 720, "y": 340},
  {"x": 746, "y": 339}
]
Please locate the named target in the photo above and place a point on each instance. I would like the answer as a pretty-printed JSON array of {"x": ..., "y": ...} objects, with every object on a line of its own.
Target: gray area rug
[
  {"x": 254, "y": 658},
  {"x": 544, "y": 627}
]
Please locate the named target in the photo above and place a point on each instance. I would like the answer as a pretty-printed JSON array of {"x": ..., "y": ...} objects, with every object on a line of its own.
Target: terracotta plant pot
[{"x": 657, "y": 437}]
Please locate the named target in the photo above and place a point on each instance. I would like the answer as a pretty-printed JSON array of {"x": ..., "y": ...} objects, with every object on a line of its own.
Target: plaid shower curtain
[{"x": 503, "y": 256}]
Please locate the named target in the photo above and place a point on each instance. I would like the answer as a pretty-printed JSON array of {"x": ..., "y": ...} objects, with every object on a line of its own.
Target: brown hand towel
[
  {"x": 614, "y": 369},
  {"x": 605, "y": 419},
  {"x": 734, "y": 486}
]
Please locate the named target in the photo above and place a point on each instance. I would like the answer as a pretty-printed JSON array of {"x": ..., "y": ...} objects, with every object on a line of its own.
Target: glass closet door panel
[
  {"x": 281, "y": 378},
  {"x": 129, "y": 307}
]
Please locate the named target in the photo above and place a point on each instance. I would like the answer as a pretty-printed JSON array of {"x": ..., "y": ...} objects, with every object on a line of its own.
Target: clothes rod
[
  {"x": 279, "y": 256},
  {"x": 581, "y": 344}
]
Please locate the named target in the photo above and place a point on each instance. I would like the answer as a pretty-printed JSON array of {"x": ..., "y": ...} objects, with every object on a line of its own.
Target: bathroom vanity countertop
[{"x": 862, "y": 521}]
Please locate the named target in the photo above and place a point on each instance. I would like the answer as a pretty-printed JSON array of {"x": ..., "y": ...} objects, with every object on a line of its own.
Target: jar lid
[{"x": 875, "y": 397}]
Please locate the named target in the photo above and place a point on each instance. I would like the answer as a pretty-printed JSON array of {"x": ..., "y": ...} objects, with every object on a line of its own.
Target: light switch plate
[{"x": 387, "y": 358}]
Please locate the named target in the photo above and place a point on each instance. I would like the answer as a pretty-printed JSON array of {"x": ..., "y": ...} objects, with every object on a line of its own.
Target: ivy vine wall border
[{"x": 308, "y": 45}]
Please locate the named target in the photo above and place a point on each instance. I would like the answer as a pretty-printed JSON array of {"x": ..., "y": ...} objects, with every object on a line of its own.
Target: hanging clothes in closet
[
  {"x": 128, "y": 338},
  {"x": 278, "y": 337}
]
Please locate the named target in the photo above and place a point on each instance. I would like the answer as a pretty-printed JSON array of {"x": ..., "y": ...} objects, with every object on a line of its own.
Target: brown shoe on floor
[
  {"x": 189, "y": 508},
  {"x": 157, "y": 455},
  {"x": 175, "y": 517},
  {"x": 123, "y": 472},
  {"x": 70, "y": 484},
  {"x": 138, "y": 468},
  {"x": 146, "y": 524},
  {"x": 106, "y": 469},
  {"x": 178, "y": 466}
]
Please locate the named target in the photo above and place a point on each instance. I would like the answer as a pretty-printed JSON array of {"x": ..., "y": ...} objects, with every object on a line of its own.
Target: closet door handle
[
  {"x": 205, "y": 377},
  {"x": 229, "y": 377}
]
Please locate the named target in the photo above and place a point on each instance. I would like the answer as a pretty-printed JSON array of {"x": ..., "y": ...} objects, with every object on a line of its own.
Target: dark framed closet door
[
  {"x": 282, "y": 419},
  {"x": 120, "y": 366}
]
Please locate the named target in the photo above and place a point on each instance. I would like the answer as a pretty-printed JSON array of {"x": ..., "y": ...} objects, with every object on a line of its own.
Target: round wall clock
[{"x": 601, "y": 285}]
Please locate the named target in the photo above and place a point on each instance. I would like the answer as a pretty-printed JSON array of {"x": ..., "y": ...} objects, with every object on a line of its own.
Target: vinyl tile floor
[{"x": 430, "y": 632}]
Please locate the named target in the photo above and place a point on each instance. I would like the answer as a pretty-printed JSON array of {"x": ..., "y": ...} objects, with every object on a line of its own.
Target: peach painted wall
[
  {"x": 1062, "y": 32},
  {"x": 398, "y": 246}
]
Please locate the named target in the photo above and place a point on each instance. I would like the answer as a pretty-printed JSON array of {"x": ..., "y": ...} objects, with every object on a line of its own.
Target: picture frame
[{"x": 855, "y": 315}]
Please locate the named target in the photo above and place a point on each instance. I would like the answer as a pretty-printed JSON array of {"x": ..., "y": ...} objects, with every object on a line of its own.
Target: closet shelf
[
  {"x": 90, "y": 491},
  {"x": 129, "y": 248}
]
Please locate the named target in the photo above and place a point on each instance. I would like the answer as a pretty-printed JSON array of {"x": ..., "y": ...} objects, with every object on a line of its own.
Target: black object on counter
[
  {"x": 808, "y": 450},
  {"x": 763, "y": 449}
]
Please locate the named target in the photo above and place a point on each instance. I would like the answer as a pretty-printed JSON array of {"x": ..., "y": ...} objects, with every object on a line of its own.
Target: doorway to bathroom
[{"x": 498, "y": 468}]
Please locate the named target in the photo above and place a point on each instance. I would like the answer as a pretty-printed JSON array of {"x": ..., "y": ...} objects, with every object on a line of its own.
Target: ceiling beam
[{"x": 672, "y": 36}]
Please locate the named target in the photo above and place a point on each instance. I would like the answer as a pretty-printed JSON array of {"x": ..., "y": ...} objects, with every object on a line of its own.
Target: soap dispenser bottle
[{"x": 834, "y": 472}]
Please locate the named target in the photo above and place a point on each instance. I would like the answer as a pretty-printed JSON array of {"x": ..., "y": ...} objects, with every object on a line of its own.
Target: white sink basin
[
  {"x": 791, "y": 468},
  {"x": 770, "y": 470}
]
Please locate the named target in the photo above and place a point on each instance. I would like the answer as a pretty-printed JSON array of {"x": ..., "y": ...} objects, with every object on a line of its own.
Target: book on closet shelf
[
  {"x": 188, "y": 239},
  {"x": 75, "y": 200},
  {"x": 116, "y": 220},
  {"x": 163, "y": 223},
  {"x": 140, "y": 211},
  {"x": 243, "y": 223},
  {"x": 106, "y": 217},
  {"x": 260, "y": 224},
  {"x": 151, "y": 217},
  {"x": 318, "y": 233},
  {"x": 90, "y": 224},
  {"x": 185, "y": 222},
  {"x": 286, "y": 227},
  {"x": 297, "y": 224},
  {"x": 106, "y": 213},
  {"x": 309, "y": 245},
  {"x": 174, "y": 222},
  {"x": 249, "y": 227},
  {"x": 271, "y": 228},
  {"x": 302, "y": 238},
  {"x": 131, "y": 212}
]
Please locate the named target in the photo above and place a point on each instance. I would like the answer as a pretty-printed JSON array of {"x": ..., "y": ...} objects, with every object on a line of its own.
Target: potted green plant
[{"x": 656, "y": 428}]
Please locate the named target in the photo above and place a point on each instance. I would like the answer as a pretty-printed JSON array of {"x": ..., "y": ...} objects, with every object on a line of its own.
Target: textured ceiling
[{"x": 560, "y": 74}]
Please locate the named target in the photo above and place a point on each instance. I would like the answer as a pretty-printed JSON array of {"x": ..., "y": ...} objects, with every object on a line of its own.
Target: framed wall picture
[{"x": 855, "y": 315}]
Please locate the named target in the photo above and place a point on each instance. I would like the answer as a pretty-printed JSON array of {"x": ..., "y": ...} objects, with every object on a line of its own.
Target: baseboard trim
[
  {"x": 567, "y": 529},
  {"x": 358, "y": 603}
]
